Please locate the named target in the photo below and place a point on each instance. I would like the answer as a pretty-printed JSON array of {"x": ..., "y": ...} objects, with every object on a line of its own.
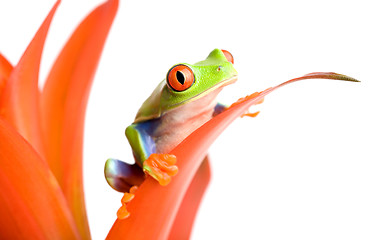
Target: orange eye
[
  {"x": 228, "y": 56},
  {"x": 180, "y": 77}
]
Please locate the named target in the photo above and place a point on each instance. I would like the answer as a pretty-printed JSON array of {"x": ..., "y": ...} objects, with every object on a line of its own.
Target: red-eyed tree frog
[{"x": 181, "y": 103}]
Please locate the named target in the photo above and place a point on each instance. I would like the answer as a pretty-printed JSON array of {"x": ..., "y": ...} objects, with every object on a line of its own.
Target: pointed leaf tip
[
  {"x": 321, "y": 75},
  {"x": 331, "y": 75},
  {"x": 19, "y": 102}
]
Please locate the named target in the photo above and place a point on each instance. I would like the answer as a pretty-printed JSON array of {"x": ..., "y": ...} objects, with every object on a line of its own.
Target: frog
[{"x": 180, "y": 104}]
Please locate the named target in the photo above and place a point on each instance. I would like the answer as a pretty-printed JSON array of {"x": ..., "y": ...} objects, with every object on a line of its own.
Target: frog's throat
[{"x": 217, "y": 86}]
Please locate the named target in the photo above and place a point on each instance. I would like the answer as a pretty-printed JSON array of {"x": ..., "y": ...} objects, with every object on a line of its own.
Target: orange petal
[
  {"x": 20, "y": 99},
  {"x": 154, "y": 208},
  {"x": 63, "y": 105},
  {"x": 5, "y": 69},
  {"x": 32, "y": 205}
]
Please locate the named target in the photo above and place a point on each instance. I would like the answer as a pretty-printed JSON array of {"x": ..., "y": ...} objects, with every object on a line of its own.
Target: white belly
[{"x": 180, "y": 122}]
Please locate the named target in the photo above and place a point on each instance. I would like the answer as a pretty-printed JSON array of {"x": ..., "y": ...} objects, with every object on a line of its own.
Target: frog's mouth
[{"x": 220, "y": 85}]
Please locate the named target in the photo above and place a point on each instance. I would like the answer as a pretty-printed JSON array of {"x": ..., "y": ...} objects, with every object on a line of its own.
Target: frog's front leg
[{"x": 160, "y": 166}]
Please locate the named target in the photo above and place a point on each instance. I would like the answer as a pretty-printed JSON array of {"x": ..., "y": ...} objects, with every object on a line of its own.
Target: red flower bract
[
  {"x": 51, "y": 120},
  {"x": 32, "y": 204}
]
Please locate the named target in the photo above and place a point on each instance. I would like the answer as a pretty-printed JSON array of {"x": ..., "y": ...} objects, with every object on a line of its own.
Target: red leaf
[
  {"x": 63, "y": 105},
  {"x": 32, "y": 205}
]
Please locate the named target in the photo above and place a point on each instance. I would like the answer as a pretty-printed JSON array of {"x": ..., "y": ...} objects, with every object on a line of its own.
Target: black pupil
[{"x": 180, "y": 76}]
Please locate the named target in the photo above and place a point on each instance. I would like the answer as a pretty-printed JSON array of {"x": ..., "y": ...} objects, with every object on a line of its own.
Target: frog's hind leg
[{"x": 122, "y": 176}]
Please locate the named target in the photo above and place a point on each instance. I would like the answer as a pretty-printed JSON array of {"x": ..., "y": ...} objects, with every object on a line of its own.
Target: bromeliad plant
[
  {"x": 41, "y": 133},
  {"x": 41, "y": 138}
]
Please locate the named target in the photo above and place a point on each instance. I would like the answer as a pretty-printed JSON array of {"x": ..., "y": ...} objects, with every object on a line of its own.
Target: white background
[{"x": 297, "y": 171}]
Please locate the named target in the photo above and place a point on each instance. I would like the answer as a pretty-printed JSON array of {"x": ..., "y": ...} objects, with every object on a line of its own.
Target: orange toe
[
  {"x": 123, "y": 212},
  {"x": 255, "y": 114},
  {"x": 128, "y": 196},
  {"x": 161, "y": 167}
]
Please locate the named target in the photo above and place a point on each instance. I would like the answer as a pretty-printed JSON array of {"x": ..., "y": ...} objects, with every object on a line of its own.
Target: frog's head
[{"x": 188, "y": 82}]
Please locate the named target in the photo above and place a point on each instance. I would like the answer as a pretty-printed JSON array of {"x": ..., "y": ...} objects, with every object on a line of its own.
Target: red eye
[
  {"x": 180, "y": 77},
  {"x": 228, "y": 56}
]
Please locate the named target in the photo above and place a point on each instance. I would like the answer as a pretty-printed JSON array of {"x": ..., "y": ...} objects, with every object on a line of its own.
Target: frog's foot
[
  {"x": 253, "y": 114},
  {"x": 161, "y": 167},
  {"x": 249, "y": 98},
  {"x": 128, "y": 196},
  {"x": 249, "y": 114}
]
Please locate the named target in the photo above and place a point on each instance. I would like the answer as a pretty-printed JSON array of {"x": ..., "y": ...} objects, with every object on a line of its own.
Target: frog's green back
[{"x": 151, "y": 107}]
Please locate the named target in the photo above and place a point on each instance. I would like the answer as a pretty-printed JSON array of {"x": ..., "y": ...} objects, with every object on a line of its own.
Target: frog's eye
[
  {"x": 228, "y": 56},
  {"x": 180, "y": 77}
]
